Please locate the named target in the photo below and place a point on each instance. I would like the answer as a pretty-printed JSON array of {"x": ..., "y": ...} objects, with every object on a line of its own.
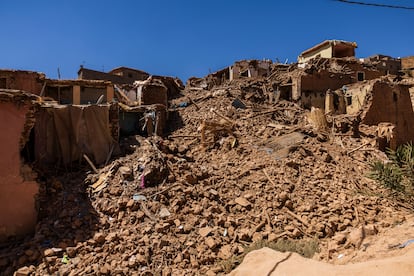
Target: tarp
[{"x": 64, "y": 133}]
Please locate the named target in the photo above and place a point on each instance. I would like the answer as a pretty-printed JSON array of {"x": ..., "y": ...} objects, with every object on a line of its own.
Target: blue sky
[{"x": 188, "y": 38}]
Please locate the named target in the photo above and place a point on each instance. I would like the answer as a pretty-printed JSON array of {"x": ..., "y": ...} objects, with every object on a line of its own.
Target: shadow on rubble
[
  {"x": 175, "y": 121},
  {"x": 65, "y": 218}
]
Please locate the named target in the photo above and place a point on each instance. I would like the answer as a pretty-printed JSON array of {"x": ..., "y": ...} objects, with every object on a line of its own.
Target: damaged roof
[{"x": 332, "y": 42}]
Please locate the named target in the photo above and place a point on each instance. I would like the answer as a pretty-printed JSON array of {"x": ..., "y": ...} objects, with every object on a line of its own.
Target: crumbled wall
[
  {"x": 152, "y": 93},
  {"x": 389, "y": 102},
  {"x": 17, "y": 188},
  {"x": 22, "y": 80},
  {"x": 407, "y": 62}
]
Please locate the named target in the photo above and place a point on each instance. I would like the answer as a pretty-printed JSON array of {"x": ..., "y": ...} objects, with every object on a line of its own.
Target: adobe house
[
  {"x": 125, "y": 76},
  {"x": 382, "y": 101},
  {"x": 46, "y": 134},
  {"x": 151, "y": 91},
  {"x": 240, "y": 69},
  {"x": 63, "y": 133},
  {"x": 119, "y": 75},
  {"x": 17, "y": 182},
  {"x": 129, "y": 73},
  {"x": 407, "y": 65},
  {"x": 309, "y": 85},
  {"x": 386, "y": 64},
  {"x": 250, "y": 69},
  {"x": 79, "y": 91},
  {"x": 22, "y": 80},
  {"x": 329, "y": 49}
]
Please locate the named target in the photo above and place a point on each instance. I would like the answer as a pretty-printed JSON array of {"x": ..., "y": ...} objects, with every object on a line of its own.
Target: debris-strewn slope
[{"x": 226, "y": 177}]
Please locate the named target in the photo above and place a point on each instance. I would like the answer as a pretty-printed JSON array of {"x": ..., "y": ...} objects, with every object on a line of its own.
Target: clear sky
[{"x": 189, "y": 37}]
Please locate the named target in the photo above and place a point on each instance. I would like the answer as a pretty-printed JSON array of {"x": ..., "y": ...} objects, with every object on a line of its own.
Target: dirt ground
[
  {"x": 389, "y": 252},
  {"x": 235, "y": 170}
]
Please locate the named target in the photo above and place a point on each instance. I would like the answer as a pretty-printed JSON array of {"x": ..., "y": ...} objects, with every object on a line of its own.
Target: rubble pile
[{"x": 235, "y": 170}]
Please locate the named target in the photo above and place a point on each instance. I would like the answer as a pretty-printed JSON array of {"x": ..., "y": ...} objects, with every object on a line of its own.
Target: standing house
[{"x": 329, "y": 49}]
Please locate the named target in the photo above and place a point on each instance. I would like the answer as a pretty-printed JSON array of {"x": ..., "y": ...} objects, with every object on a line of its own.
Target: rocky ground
[{"x": 234, "y": 171}]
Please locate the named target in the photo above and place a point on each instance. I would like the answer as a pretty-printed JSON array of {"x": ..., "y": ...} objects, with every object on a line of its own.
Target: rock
[
  {"x": 126, "y": 172},
  {"x": 105, "y": 269},
  {"x": 29, "y": 252},
  {"x": 141, "y": 259},
  {"x": 71, "y": 251},
  {"x": 257, "y": 237},
  {"x": 178, "y": 259},
  {"x": 166, "y": 271},
  {"x": 99, "y": 237},
  {"x": 161, "y": 227},
  {"x": 355, "y": 238},
  {"x": 211, "y": 242},
  {"x": 283, "y": 196},
  {"x": 289, "y": 204},
  {"x": 339, "y": 238},
  {"x": 23, "y": 271},
  {"x": 111, "y": 237},
  {"x": 205, "y": 231},
  {"x": 51, "y": 260},
  {"x": 272, "y": 237},
  {"x": 130, "y": 203},
  {"x": 192, "y": 179},
  {"x": 52, "y": 252},
  {"x": 242, "y": 201},
  {"x": 225, "y": 252},
  {"x": 370, "y": 230},
  {"x": 164, "y": 213}
]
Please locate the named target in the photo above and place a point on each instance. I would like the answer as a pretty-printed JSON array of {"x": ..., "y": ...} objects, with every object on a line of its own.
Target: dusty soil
[
  {"x": 223, "y": 179},
  {"x": 388, "y": 252}
]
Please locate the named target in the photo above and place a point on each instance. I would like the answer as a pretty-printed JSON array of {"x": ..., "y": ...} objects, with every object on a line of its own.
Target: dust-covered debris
[{"x": 243, "y": 163}]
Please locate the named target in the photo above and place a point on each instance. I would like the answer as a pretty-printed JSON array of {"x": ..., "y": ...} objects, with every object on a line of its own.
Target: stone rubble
[{"x": 179, "y": 206}]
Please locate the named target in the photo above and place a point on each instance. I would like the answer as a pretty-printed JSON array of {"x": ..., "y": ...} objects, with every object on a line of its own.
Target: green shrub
[
  {"x": 387, "y": 175},
  {"x": 399, "y": 171}
]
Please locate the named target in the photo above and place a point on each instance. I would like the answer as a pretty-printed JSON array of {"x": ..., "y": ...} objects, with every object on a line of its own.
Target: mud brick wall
[
  {"x": 391, "y": 103},
  {"x": 17, "y": 191},
  {"x": 22, "y": 80},
  {"x": 153, "y": 94}
]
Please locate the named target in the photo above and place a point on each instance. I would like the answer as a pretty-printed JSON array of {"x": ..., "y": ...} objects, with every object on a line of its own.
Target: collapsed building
[
  {"x": 385, "y": 64},
  {"x": 125, "y": 77},
  {"x": 251, "y": 122},
  {"x": 328, "y": 76},
  {"x": 407, "y": 66},
  {"x": 48, "y": 135},
  {"x": 240, "y": 69},
  {"x": 57, "y": 123}
]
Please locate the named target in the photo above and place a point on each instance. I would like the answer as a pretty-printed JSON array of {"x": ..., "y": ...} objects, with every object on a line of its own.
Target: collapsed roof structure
[{"x": 56, "y": 123}]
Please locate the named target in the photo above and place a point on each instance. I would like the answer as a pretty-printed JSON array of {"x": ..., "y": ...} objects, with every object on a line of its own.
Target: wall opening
[
  {"x": 360, "y": 76},
  {"x": 3, "y": 82}
]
